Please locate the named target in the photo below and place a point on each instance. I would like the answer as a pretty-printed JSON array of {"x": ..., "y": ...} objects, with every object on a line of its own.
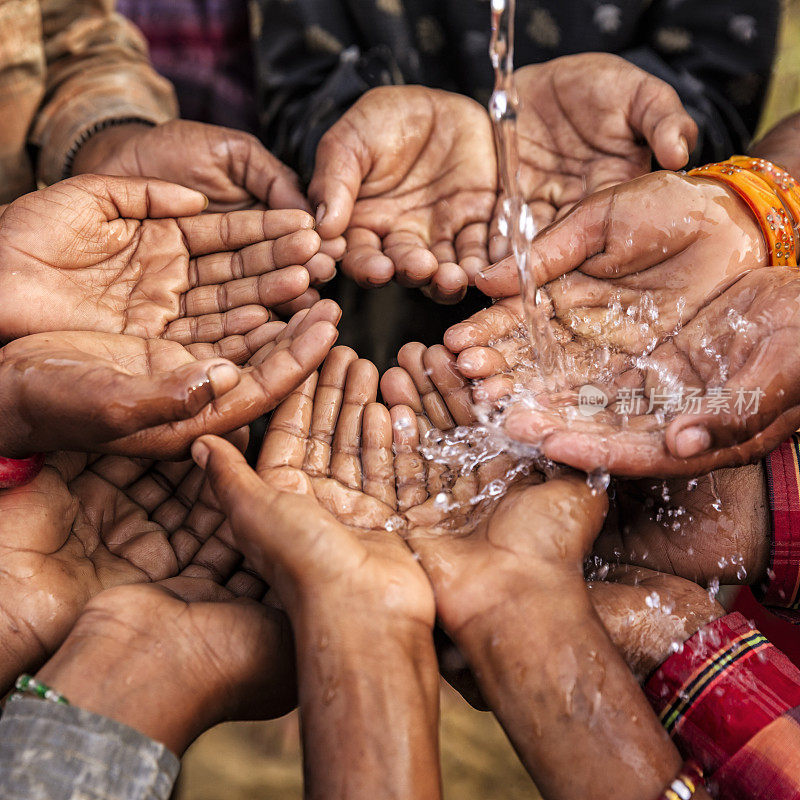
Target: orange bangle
[
  {"x": 776, "y": 223},
  {"x": 781, "y": 181}
]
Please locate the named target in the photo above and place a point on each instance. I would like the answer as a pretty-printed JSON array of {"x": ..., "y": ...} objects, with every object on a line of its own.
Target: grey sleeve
[{"x": 55, "y": 752}]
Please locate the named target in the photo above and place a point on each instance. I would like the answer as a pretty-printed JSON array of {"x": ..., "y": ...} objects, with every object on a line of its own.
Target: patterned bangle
[
  {"x": 18, "y": 472},
  {"x": 776, "y": 224},
  {"x": 687, "y": 782},
  {"x": 98, "y": 127},
  {"x": 28, "y": 685},
  {"x": 781, "y": 181}
]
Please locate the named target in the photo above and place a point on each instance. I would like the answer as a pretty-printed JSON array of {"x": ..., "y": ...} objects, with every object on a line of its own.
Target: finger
[
  {"x": 377, "y": 461},
  {"x": 140, "y": 198},
  {"x": 658, "y": 114},
  {"x": 398, "y": 389},
  {"x": 295, "y": 248},
  {"x": 265, "y": 177},
  {"x": 414, "y": 263},
  {"x": 360, "y": 389},
  {"x": 499, "y": 321},
  {"x": 409, "y": 464},
  {"x": 215, "y": 561},
  {"x": 286, "y": 439},
  {"x": 340, "y": 167},
  {"x": 271, "y": 289},
  {"x": 500, "y": 279},
  {"x": 448, "y": 285},
  {"x": 440, "y": 365},
  {"x": 477, "y": 363},
  {"x": 411, "y": 358},
  {"x": 215, "y": 327},
  {"x": 326, "y": 407},
  {"x": 215, "y": 233},
  {"x": 334, "y": 247},
  {"x": 471, "y": 250},
  {"x": 309, "y": 298},
  {"x": 321, "y": 269},
  {"x": 364, "y": 260}
]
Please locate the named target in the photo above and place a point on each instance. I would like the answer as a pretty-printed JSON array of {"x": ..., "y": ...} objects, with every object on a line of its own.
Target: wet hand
[
  {"x": 135, "y": 256},
  {"x": 409, "y": 175},
  {"x": 578, "y": 136},
  {"x": 113, "y": 393}
]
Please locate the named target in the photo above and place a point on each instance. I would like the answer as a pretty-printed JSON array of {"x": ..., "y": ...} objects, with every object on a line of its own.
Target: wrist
[
  {"x": 103, "y": 144},
  {"x": 110, "y": 675}
]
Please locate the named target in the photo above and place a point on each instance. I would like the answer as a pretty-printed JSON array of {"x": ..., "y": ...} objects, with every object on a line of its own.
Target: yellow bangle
[{"x": 776, "y": 224}]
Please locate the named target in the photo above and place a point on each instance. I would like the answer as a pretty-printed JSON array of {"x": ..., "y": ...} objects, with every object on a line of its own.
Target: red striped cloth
[
  {"x": 782, "y": 594},
  {"x": 729, "y": 699}
]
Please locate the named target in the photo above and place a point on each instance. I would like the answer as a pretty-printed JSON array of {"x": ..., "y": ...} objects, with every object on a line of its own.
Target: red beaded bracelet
[{"x": 18, "y": 472}]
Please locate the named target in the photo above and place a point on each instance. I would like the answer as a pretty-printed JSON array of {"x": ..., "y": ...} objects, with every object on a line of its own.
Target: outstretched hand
[
  {"x": 136, "y": 256},
  {"x": 98, "y": 392},
  {"x": 409, "y": 175}
]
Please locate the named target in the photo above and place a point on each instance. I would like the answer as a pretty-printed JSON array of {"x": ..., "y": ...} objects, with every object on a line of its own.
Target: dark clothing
[{"x": 314, "y": 58}]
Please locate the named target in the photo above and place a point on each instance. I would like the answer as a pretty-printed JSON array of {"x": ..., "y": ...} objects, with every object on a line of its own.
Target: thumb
[
  {"x": 140, "y": 198},
  {"x": 658, "y": 114},
  {"x": 341, "y": 165}
]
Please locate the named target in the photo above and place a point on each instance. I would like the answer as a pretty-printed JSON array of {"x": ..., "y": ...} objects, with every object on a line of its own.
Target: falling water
[{"x": 517, "y": 222}]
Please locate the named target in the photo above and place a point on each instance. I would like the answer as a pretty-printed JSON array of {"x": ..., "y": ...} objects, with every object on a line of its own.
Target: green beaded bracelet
[{"x": 28, "y": 685}]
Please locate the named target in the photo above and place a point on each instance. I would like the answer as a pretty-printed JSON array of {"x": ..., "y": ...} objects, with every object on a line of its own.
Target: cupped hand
[
  {"x": 409, "y": 175},
  {"x": 173, "y": 659},
  {"x": 86, "y": 524},
  {"x": 135, "y": 256},
  {"x": 318, "y": 518},
  {"x": 578, "y": 135},
  {"x": 112, "y": 393},
  {"x": 231, "y": 168}
]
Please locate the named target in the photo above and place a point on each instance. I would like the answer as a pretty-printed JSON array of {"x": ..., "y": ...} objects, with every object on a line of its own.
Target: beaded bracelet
[
  {"x": 776, "y": 224},
  {"x": 28, "y": 685},
  {"x": 18, "y": 472},
  {"x": 686, "y": 783}
]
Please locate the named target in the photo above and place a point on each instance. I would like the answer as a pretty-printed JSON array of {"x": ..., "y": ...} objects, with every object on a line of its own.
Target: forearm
[
  {"x": 559, "y": 687},
  {"x": 781, "y": 145},
  {"x": 369, "y": 693}
]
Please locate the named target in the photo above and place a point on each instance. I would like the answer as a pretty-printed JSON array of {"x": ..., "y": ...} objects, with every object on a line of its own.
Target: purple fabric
[{"x": 204, "y": 48}]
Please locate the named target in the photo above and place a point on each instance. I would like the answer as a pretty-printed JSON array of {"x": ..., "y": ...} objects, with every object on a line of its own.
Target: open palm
[
  {"x": 135, "y": 256},
  {"x": 410, "y": 175}
]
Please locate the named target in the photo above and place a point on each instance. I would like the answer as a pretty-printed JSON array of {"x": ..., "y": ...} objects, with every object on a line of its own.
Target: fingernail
[
  {"x": 223, "y": 377},
  {"x": 322, "y": 210},
  {"x": 685, "y": 146},
  {"x": 692, "y": 441},
  {"x": 200, "y": 454},
  {"x": 207, "y": 201}
]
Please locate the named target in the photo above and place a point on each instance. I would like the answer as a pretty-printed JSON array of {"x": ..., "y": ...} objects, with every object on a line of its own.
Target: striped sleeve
[
  {"x": 782, "y": 592},
  {"x": 722, "y": 698}
]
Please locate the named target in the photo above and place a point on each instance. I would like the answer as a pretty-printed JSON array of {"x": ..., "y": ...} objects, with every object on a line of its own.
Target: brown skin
[
  {"x": 360, "y": 605},
  {"x": 121, "y": 394},
  {"x": 759, "y": 355},
  {"x": 409, "y": 175},
  {"x": 173, "y": 659},
  {"x": 85, "y": 525},
  {"x": 230, "y": 167},
  {"x": 135, "y": 256},
  {"x": 578, "y": 136},
  {"x": 508, "y": 575}
]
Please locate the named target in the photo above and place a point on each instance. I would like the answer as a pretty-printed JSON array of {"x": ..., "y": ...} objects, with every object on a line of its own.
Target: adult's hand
[
  {"x": 587, "y": 122},
  {"x": 112, "y": 393},
  {"x": 317, "y": 521},
  {"x": 88, "y": 524},
  {"x": 175, "y": 658},
  {"x": 231, "y": 168},
  {"x": 409, "y": 175},
  {"x": 136, "y": 256}
]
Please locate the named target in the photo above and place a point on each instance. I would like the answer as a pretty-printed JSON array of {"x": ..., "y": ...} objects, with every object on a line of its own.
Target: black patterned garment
[{"x": 314, "y": 58}]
